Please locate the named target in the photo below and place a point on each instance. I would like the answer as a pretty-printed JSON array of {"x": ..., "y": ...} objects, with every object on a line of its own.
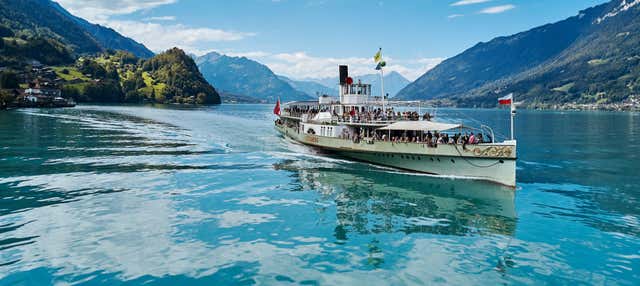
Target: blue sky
[{"x": 308, "y": 38}]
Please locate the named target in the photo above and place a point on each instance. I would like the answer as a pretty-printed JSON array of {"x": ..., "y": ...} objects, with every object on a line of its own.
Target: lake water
[{"x": 212, "y": 196}]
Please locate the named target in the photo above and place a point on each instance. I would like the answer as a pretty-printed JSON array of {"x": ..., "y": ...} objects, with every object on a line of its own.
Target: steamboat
[{"x": 369, "y": 128}]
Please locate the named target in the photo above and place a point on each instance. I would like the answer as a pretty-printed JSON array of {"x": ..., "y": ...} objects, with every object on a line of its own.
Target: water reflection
[{"x": 382, "y": 201}]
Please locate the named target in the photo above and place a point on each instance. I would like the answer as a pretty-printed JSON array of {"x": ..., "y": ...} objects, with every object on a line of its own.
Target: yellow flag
[{"x": 378, "y": 56}]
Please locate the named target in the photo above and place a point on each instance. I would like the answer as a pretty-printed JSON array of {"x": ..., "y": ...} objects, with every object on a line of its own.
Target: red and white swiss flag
[
  {"x": 276, "y": 109},
  {"x": 506, "y": 99}
]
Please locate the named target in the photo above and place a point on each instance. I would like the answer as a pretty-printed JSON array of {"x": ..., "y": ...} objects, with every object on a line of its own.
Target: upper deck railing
[{"x": 358, "y": 117}]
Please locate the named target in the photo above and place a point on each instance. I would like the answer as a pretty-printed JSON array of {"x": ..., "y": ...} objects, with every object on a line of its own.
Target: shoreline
[{"x": 571, "y": 107}]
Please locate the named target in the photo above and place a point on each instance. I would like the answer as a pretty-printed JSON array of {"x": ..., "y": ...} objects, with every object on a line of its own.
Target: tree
[
  {"x": 104, "y": 91},
  {"x": 71, "y": 92},
  {"x": 112, "y": 73},
  {"x": 8, "y": 80},
  {"x": 133, "y": 96},
  {"x": 5, "y": 32},
  {"x": 6, "y": 98},
  {"x": 92, "y": 68}
]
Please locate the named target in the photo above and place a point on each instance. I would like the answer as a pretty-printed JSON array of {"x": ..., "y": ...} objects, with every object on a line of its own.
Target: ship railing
[{"x": 365, "y": 121}]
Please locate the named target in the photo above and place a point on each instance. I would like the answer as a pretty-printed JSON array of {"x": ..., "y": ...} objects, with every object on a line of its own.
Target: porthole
[
  {"x": 501, "y": 161},
  {"x": 453, "y": 161},
  {"x": 438, "y": 159},
  {"x": 431, "y": 159}
]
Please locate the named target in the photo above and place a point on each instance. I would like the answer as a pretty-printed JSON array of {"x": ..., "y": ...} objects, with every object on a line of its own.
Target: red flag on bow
[
  {"x": 506, "y": 99},
  {"x": 276, "y": 110}
]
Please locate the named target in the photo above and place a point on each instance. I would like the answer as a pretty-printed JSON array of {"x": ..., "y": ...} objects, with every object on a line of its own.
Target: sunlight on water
[{"x": 212, "y": 196}]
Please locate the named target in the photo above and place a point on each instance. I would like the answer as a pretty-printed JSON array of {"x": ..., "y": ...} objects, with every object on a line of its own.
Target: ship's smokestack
[{"x": 344, "y": 74}]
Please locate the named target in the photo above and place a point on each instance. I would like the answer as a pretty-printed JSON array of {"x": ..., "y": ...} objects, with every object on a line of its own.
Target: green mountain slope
[
  {"x": 169, "y": 77},
  {"x": 181, "y": 76},
  {"x": 44, "y": 18},
  {"x": 588, "y": 58}
]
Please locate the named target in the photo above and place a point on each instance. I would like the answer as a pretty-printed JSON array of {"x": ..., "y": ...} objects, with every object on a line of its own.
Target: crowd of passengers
[
  {"x": 360, "y": 114},
  {"x": 298, "y": 111},
  {"x": 431, "y": 139}
]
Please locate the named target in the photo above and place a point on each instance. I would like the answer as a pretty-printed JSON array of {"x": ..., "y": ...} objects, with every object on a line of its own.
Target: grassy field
[
  {"x": 565, "y": 88},
  {"x": 72, "y": 75}
]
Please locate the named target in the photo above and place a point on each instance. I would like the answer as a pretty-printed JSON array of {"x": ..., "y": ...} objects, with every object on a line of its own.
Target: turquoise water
[{"x": 212, "y": 196}]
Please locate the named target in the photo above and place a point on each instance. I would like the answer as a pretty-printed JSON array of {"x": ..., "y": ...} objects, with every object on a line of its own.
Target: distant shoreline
[{"x": 571, "y": 107}]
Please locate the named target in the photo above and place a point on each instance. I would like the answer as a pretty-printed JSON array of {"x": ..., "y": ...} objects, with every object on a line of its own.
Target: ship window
[
  {"x": 419, "y": 158},
  {"x": 453, "y": 161},
  {"x": 431, "y": 159},
  {"x": 438, "y": 159},
  {"x": 501, "y": 161}
]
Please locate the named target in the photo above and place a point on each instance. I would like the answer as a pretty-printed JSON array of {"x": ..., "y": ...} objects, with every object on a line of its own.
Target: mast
[
  {"x": 382, "y": 88},
  {"x": 513, "y": 114},
  {"x": 378, "y": 60}
]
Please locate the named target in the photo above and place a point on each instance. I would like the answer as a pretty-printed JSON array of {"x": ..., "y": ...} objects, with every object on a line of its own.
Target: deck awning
[{"x": 420, "y": 126}]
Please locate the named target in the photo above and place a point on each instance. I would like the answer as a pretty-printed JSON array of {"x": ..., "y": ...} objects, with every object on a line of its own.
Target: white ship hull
[{"x": 491, "y": 162}]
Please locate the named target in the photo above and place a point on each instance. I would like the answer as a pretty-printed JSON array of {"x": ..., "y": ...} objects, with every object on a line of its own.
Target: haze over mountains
[{"x": 593, "y": 57}]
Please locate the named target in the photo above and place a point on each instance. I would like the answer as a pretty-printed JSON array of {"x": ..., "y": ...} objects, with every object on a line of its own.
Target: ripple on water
[{"x": 114, "y": 194}]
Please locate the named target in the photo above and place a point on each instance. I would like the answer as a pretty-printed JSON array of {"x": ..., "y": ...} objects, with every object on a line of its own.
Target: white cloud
[
  {"x": 160, "y": 18},
  {"x": 155, "y": 36},
  {"x": 497, "y": 9},
  {"x": 99, "y": 11},
  {"x": 468, "y": 2},
  {"x": 256, "y": 54},
  {"x": 452, "y": 16},
  {"x": 159, "y": 37}
]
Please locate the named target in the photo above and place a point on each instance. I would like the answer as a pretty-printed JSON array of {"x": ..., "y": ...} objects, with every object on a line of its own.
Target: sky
[{"x": 309, "y": 38}]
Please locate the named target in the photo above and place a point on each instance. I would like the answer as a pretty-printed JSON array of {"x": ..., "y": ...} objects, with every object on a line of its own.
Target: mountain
[
  {"x": 393, "y": 82},
  {"x": 310, "y": 87},
  {"x": 593, "y": 57},
  {"x": 180, "y": 76},
  {"x": 240, "y": 75},
  {"x": 169, "y": 77},
  {"x": 45, "y": 18}
]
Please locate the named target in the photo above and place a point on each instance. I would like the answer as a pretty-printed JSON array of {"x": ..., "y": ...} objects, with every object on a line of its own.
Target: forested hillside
[{"x": 170, "y": 77}]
